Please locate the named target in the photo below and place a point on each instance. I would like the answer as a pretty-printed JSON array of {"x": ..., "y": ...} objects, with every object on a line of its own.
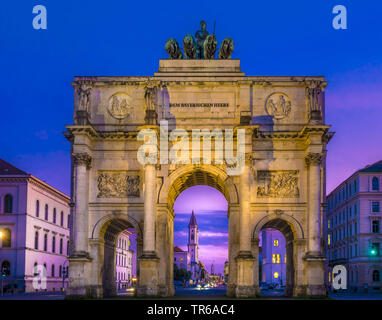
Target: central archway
[{"x": 188, "y": 176}]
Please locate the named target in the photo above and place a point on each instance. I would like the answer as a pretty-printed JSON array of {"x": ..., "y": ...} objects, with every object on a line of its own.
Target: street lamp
[
  {"x": 64, "y": 275},
  {"x": 1, "y": 235}
]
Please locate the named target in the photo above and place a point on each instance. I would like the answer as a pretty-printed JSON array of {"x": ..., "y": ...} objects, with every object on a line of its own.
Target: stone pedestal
[
  {"x": 245, "y": 286},
  {"x": 79, "y": 269},
  {"x": 315, "y": 272},
  {"x": 148, "y": 278}
]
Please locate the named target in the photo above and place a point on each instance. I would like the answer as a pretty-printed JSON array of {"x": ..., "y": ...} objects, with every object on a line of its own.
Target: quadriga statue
[
  {"x": 226, "y": 49},
  {"x": 210, "y": 45},
  {"x": 173, "y": 49},
  {"x": 189, "y": 46}
]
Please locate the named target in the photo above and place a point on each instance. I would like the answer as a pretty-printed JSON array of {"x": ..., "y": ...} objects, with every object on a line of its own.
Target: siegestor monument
[{"x": 134, "y": 152}]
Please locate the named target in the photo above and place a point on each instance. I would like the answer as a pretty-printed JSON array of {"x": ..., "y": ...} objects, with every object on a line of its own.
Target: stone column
[
  {"x": 313, "y": 161},
  {"x": 149, "y": 210},
  {"x": 255, "y": 253},
  {"x": 82, "y": 163},
  {"x": 245, "y": 285},
  {"x": 314, "y": 260},
  {"x": 148, "y": 261},
  {"x": 79, "y": 260}
]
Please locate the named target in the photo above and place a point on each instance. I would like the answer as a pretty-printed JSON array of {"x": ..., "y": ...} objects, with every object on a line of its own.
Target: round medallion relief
[
  {"x": 119, "y": 105},
  {"x": 278, "y": 105}
]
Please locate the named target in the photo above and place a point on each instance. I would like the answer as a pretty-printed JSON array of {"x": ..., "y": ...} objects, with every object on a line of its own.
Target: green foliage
[{"x": 181, "y": 274}]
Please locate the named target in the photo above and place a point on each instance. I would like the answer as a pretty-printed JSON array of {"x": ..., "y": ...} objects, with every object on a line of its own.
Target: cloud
[{"x": 212, "y": 234}]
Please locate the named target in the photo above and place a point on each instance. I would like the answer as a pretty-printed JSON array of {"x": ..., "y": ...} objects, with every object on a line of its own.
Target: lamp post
[
  {"x": 2, "y": 271},
  {"x": 64, "y": 275}
]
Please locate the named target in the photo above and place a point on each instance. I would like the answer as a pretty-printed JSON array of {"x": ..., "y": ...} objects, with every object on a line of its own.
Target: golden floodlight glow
[{"x": 1, "y": 234}]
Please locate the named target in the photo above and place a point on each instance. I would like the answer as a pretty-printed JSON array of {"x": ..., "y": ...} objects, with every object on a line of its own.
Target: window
[
  {"x": 276, "y": 243},
  {"x": 278, "y": 258},
  {"x": 60, "y": 271},
  {"x": 45, "y": 242},
  {"x": 375, "y": 226},
  {"x": 375, "y": 206},
  {"x": 62, "y": 219},
  {"x": 328, "y": 239},
  {"x": 375, "y": 184},
  {"x": 36, "y": 240},
  {"x": 53, "y": 270},
  {"x": 6, "y": 268},
  {"x": 61, "y": 245},
  {"x": 274, "y": 258},
  {"x": 37, "y": 208},
  {"x": 67, "y": 248},
  {"x": 276, "y": 275},
  {"x": 68, "y": 221},
  {"x": 54, "y": 215},
  {"x": 46, "y": 212},
  {"x": 7, "y": 237},
  {"x": 376, "y": 276},
  {"x": 54, "y": 244},
  {"x": 8, "y": 201}
]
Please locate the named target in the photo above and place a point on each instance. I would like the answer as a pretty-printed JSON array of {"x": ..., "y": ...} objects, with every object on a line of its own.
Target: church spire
[{"x": 193, "y": 222}]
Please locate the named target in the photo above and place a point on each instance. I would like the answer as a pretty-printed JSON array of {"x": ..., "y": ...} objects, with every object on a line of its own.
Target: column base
[
  {"x": 166, "y": 291},
  {"x": 79, "y": 271},
  {"x": 245, "y": 287},
  {"x": 231, "y": 290},
  {"x": 245, "y": 291},
  {"x": 315, "y": 274},
  {"x": 148, "y": 281}
]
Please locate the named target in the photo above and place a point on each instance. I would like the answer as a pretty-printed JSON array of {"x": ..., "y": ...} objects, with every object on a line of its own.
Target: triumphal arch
[{"x": 133, "y": 153}]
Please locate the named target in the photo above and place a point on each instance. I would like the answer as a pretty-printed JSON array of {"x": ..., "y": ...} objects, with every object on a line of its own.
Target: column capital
[
  {"x": 314, "y": 159},
  {"x": 82, "y": 159}
]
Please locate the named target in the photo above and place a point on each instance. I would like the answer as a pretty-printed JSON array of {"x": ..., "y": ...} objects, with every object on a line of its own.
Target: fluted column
[
  {"x": 245, "y": 207},
  {"x": 149, "y": 210},
  {"x": 82, "y": 163},
  {"x": 313, "y": 161}
]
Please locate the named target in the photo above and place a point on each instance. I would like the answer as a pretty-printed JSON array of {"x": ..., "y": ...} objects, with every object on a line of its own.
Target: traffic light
[{"x": 373, "y": 251}]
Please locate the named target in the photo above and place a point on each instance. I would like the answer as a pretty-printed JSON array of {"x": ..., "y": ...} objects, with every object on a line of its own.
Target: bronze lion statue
[
  {"x": 189, "y": 46},
  {"x": 226, "y": 49},
  {"x": 210, "y": 45},
  {"x": 173, "y": 49}
]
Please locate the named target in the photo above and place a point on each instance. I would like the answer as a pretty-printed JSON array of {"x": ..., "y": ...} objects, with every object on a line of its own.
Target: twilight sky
[{"x": 126, "y": 37}]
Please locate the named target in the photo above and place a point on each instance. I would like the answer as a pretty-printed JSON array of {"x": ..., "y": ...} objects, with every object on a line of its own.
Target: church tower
[{"x": 193, "y": 239}]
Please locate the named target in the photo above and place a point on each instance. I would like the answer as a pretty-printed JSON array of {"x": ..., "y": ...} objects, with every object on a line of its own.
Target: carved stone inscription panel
[
  {"x": 117, "y": 184},
  {"x": 278, "y": 184}
]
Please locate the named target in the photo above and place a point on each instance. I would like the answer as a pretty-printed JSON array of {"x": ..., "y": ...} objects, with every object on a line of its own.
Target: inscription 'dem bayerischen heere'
[{"x": 198, "y": 105}]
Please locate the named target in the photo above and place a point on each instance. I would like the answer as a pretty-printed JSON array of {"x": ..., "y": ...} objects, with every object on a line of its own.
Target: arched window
[
  {"x": 54, "y": 215},
  {"x": 8, "y": 202},
  {"x": 375, "y": 184},
  {"x": 62, "y": 219},
  {"x": 6, "y": 268},
  {"x": 61, "y": 245},
  {"x": 376, "y": 276},
  {"x": 6, "y": 239},
  {"x": 46, "y": 212},
  {"x": 54, "y": 244},
  {"x": 45, "y": 242},
  {"x": 36, "y": 240},
  {"x": 37, "y": 208},
  {"x": 53, "y": 270}
]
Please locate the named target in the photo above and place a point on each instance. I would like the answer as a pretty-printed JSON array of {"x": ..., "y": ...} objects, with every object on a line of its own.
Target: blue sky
[{"x": 112, "y": 37}]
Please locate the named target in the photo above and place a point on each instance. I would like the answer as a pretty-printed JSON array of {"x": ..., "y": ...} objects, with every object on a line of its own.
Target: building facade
[
  {"x": 124, "y": 260},
  {"x": 34, "y": 226},
  {"x": 182, "y": 259},
  {"x": 273, "y": 257},
  {"x": 353, "y": 229}
]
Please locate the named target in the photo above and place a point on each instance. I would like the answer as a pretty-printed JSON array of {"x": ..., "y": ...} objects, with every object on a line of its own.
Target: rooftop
[{"x": 7, "y": 169}]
